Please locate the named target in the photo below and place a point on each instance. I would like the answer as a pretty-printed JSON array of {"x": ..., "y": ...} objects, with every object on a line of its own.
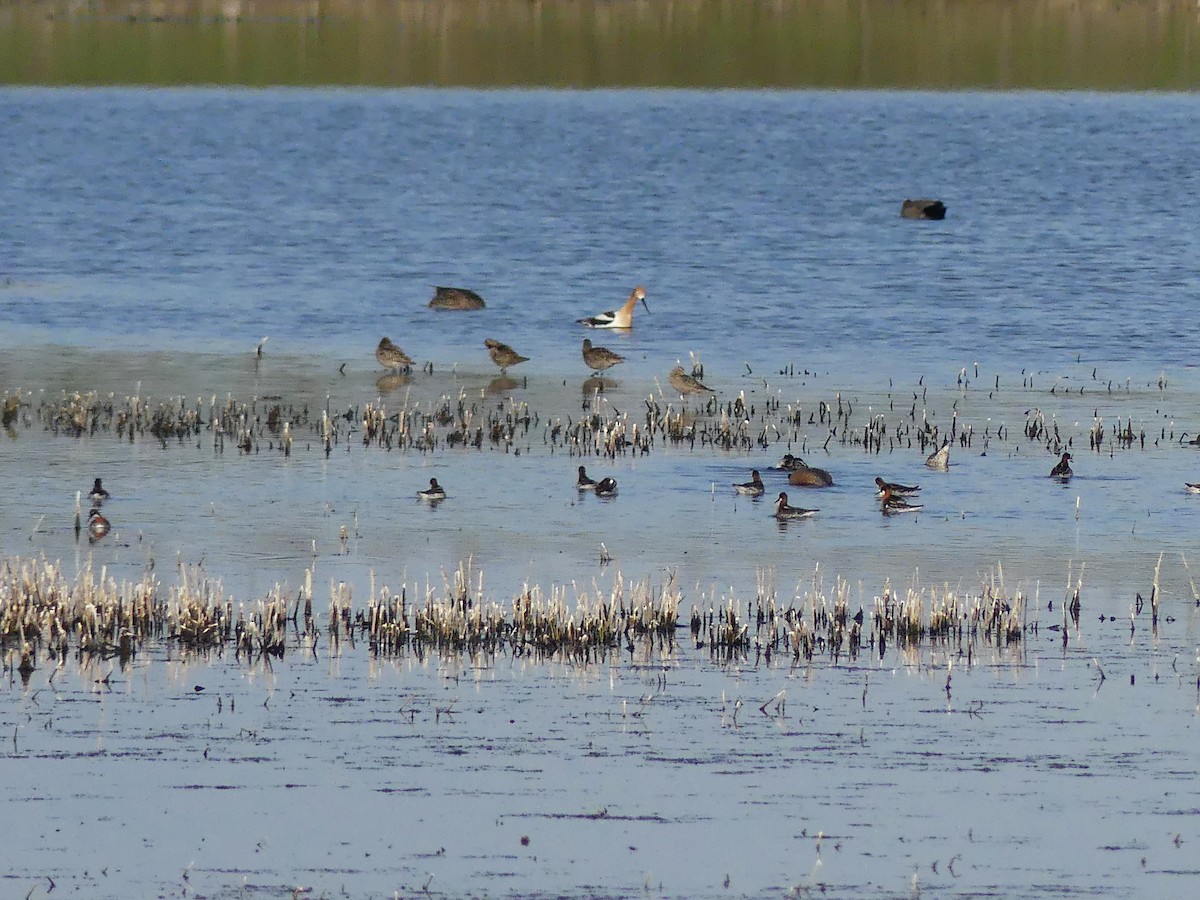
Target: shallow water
[{"x": 149, "y": 262}]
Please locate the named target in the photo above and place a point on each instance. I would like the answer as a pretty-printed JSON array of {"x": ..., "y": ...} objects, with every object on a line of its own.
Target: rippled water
[{"x": 153, "y": 238}]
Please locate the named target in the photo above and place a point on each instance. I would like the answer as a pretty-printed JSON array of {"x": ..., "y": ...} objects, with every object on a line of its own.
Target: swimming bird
[
  {"x": 433, "y": 492},
  {"x": 898, "y": 490},
  {"x": 583, "y": 482},
  {"x": 802, "y": 474},
  {"x": 686, "y": 384},
  {"x": 752, "y": 488},
  {"x": 455, "y": 298},
  {"x": 503, "y": 355},
  {"x": 923, "y": 209},
  {"x": 939, "y": 460},
  {"x": 98, "y": 494},
  {"x": 783, "y": 511},
  {"x": 1063, "y": 468},
  {"x": 617, "y": 318},
  {"x": 1193, "y": 487},
  {"x": 599, "y": 358},
  {"x": 893, "y": 503},
  {"x": 98, "y": 526},
  {"x": 392, "y": 357},
  {"x": 606, "y": 487}
]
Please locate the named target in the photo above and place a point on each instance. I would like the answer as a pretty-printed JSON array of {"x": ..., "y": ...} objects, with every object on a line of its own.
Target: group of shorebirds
[{"x": 598, "y": 359}]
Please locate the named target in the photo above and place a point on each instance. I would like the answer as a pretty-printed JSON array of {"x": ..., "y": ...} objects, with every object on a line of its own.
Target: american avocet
[
  {"x": 617, "y": 318},
  {"x": 804, "y": 475},
  {"x": 503, "y": 355},
  {"x": 686, "y": 384},
  {"x": 433, "y": 492},
  {"x": 98, "y": 494},
  {"x": 599, "y": 358},
  {"x": 606, "y": 487},
  {"x": 98, "y": 526},
  {"x": 392, "y": 357},
  {"x": 898, "y": 490},
  {"x": 1063, "y": 468},
  {"x": 783, "y": 511},
  {"x": 583, "y": 482},
  {"x": 894, "y": 503},
  {"x": 455, "y": 298},
  {"x": 752, "y": 488},
  {"x": 939, "y": 460}
]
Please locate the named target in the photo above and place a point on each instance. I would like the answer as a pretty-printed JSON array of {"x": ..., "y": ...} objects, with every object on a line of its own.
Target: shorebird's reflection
[
  {"x": 596, "y": 383},
  {"x": 502, "y": 384},
  {"x": 389, "y": 383}
]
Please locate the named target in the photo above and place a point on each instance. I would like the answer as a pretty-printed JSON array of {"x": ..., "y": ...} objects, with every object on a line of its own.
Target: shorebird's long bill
[{"x": 644, "y": 304}]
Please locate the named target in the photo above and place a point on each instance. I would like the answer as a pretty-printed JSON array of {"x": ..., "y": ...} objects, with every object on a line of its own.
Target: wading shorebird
[
  {"x": 455, "y": 298},
  {"x": 893, "y": 503},
  {"x": 783, "y": 511},
  {"x": 503, "y": 355},
  {"x": 752, "y": 488},
  {"x": 940, "y": 460},
  {"x": 392, "y": 357},
  {"x": 1063, "y": 468},
  {"x": 686, "y": 384},
  {"x": 801, "y": 474},
  {"x": 897, "y": 490},
  {"x": 583, "y": 482},
  {"x": 98, "y": 494},
  {"x": 606, "y": 487},
  {"x": 433, "y": 492},
  {"x": 599, "y": 358},
  {"x": 617, "y": 318},
  {"x": 98, "y": 526}
]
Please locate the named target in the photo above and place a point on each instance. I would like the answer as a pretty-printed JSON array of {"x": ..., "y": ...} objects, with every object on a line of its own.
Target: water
[{"x": 154, "y": 237}]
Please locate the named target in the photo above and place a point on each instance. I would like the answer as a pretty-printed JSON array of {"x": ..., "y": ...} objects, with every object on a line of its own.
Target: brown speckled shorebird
[
  {"x": 599, "y": 358},
  {"x": 392, "y": 357},
  {"x": 455, "y": 298},
  {"x": 503, "y": 355},
  {"x": 686, "y": 384}
]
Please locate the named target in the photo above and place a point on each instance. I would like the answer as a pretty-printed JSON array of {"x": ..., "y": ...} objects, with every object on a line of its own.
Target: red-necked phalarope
[
  {"x": 893, "y": 503},
  {"x": 898, "y": 490},
  {"x": 783, "y": 511},
  {"x": 433, "y": 492},
  {"x": 754, "y": 487},
  {"x": 606, "y": 487},
  {"x": 583, "y": 482},
  {"x": 98, "y": 494},
  {"x": 617, "y": 318},
  {"x": 1063, "y": 468},
  {"x": 98, "y": 526}
]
